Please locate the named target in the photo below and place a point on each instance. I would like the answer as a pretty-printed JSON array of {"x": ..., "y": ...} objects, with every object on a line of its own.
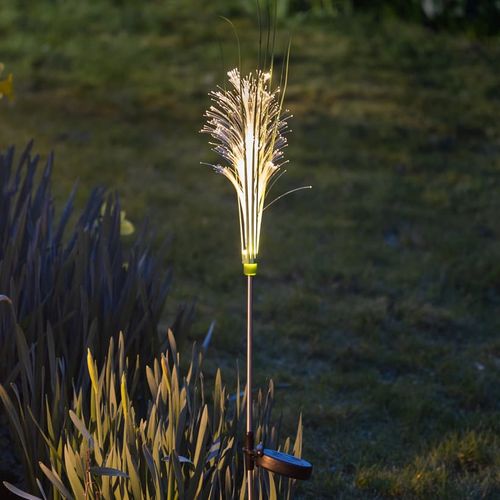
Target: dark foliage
[
  {"x": 86, "y": 285},
  {"x": 65, "y": 291},
  {"x": 480, "y": 17}
]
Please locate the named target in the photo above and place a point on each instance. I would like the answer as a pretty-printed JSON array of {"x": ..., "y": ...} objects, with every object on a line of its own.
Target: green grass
[{"x": 377, "y": 303}]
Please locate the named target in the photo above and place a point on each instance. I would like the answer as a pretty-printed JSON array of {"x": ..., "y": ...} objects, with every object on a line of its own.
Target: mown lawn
[{"x": 377, "y": 306}]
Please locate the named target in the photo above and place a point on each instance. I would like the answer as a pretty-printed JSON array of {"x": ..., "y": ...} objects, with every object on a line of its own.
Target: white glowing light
[{"x": 248, "y": 127}]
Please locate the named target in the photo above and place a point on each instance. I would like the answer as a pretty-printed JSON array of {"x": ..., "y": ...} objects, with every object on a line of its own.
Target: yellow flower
[{"x": 6, "y": 86}]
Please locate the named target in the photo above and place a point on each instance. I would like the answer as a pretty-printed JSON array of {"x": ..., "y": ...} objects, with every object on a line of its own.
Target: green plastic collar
[{"x": 250, "y": 269}]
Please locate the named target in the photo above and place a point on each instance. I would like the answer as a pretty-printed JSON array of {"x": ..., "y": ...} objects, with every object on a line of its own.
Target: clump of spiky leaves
[
  {"x": 247, "y": 123},
  {"x": 85, "y": 282},
  {"x": 186, "y": 446},
  {"x": 68, "y": 290}
]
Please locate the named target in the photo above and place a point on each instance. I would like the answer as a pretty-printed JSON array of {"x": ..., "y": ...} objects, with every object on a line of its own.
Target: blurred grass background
[{"x": 377, "y": 303}]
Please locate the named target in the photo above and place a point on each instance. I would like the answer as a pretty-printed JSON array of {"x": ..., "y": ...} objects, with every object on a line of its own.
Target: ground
[{"x": 378, "y": 291}]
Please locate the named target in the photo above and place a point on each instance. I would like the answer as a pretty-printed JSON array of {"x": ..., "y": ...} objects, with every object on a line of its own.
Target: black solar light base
[{"x": 283, "y": 463}]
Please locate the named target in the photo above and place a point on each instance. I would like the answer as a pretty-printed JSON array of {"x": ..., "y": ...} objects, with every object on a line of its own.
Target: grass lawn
[{"x": 378, "y": 299}]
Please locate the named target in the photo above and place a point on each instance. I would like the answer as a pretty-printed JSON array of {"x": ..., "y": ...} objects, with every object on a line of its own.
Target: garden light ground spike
[{"x": 248, "y": 125}]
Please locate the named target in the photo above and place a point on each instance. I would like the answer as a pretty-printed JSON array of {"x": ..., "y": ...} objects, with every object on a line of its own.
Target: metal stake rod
[{"x": 249, "y": 444}]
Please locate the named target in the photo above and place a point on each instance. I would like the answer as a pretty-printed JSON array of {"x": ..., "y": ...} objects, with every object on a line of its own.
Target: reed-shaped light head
[{"x": 247, "y": 124}]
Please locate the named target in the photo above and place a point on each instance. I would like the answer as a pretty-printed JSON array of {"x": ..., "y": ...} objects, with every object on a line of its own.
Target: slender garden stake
[{"x": 248, "y": 126}]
